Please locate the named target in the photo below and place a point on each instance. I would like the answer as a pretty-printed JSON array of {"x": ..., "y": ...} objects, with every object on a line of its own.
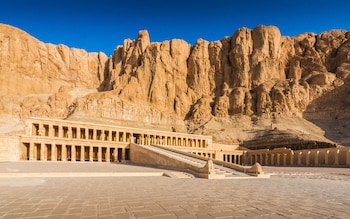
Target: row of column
[
  {"x": 79, "y": 133},
  {"x": 232, "y": 158},
  {"x": 55, "y": 152},
  {"x": 307, "y": 158},
  {"x": 169, "y": 141},
  {"x": 205, "y": 154}
]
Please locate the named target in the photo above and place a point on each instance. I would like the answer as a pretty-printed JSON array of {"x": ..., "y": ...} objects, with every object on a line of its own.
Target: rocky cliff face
[
  {"x": 253, "y": 74},
  {"x": 32, "y": 73}
]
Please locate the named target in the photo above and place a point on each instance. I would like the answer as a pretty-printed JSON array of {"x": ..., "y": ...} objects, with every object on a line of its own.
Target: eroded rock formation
[{"x": 253, "y": 74}]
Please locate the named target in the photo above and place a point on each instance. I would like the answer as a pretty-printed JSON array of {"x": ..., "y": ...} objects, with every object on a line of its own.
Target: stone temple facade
[
  {"x": 61, "y": 140},
  {"x": 72, "y": 141}
]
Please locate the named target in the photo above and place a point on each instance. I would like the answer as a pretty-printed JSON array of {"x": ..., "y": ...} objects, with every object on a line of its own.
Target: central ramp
[{"x": 154, "y": 155}]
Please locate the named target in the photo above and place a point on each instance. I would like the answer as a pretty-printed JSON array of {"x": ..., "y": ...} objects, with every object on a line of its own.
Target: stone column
[
  {"x": 64, "y": 152},
  {"x": 116, "y": 136},
  {"x": 272, "y": 159},
  {"x": 42, "y": 152},
  {"x": 316, "y": 158},
  {"x": 86, "y": 133},
  {"x": 299, "y": 158},
  {"x": 124, "y": 136},
  {"x": 73, "y": 153},
  {"x": 284, "y": 159},
  {"x": 292, "y": 158},
  {"x": 103, "y": 135},
  {"x": 94, "y": 136},
  {"x": 99, "y": 154},
  {"x": 82, "y": 153},
  {"x": 41, "y": 130},
  {"x": 308, "y": 158},
  {"x": 326, "y": 157},
  {"x": 143, "y": 139},
  {"x": 69, "y": 132},
  {"x": 336, "y": 157},
  {"x": 108, "y": 154},
  {"x": 78, "y": 133},
  {"x": 53, "y": 152},
  {"x": 110, "y": 135},
  {"x": 278, "y": 157},
  {"x": 51, "y": 131},
  {"x": 91, "y": 153},
  {"x": 115, "y": 155},
  {"x": 31, "y": 151},
  {"x": 60, "y": 131},
  {"x": 239, "y": 159}
]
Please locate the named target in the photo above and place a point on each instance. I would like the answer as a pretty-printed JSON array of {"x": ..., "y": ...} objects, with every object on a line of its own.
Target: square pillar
[
  {"x": 284, "y": 159},
  {"x": 108, "y": 155},
  {"x": 110, "y": 135},
  {"x": 308, "y": 158},
  {"x": 60, "y": 131},
  {"x": 299, "y": 158},
  {"x": 73, "y": 153},
  {"x": 326, "y": 157},
  {"x": 115, "y": 155},
  {"x": 292, "y": 158},
  {"x": 41, "y": 131},
  {"x": 124, "y": 136},
  {"x": 91, "y": 153},
  {"x": 78, "y": 133},
  {"x": 69, "y": 132},
  {"x": 99, "y": 154},
  {"x": 64, "y": 152},
  {"x": 316, "y": 158},
  {"x": 43, "y": 155},
  {"x": 53, "y": 152},
  {"x": 278, "y": 159},
  {"x": 86, "y": 133},
  {"x": 51, "y": 131},
  {"x": 94, "y": 137},
  {"x": 82, "y": 153},
  {"x": 336, "y": 157}
]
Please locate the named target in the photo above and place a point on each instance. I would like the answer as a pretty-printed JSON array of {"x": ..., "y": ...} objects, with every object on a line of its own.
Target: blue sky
[{"x": 102, "y": 25}]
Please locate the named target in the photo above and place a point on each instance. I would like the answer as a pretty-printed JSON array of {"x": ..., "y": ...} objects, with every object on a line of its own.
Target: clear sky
[{"x": 101, "y": 25}]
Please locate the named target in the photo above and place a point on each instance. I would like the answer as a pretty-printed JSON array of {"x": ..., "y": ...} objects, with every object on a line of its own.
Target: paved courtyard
[{"x": 289, "y": 193}]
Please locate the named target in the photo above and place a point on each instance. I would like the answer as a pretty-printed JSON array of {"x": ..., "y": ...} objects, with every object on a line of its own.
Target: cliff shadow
[{"x": 331, "y": 112}]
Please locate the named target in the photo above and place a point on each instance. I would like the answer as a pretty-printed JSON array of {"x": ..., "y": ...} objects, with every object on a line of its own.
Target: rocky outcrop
[{"x": 255, "y": 73}]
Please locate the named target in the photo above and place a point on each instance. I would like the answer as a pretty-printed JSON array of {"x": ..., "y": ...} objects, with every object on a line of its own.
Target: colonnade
[
  {"x": 64, "y": 152},
  {"x": 288, "y": 157},
  {"x": 232, "y": 158},
  {"x": 82, "y": 131}
]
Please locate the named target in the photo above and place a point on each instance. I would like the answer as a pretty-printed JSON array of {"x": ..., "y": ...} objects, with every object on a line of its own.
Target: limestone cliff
[
  {"x": 32, "y": 72},
  {"x": 254, "y": 75}
]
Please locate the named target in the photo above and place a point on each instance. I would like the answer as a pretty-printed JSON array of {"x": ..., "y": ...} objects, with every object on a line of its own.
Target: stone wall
[{"x": 9, "y": 148}]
